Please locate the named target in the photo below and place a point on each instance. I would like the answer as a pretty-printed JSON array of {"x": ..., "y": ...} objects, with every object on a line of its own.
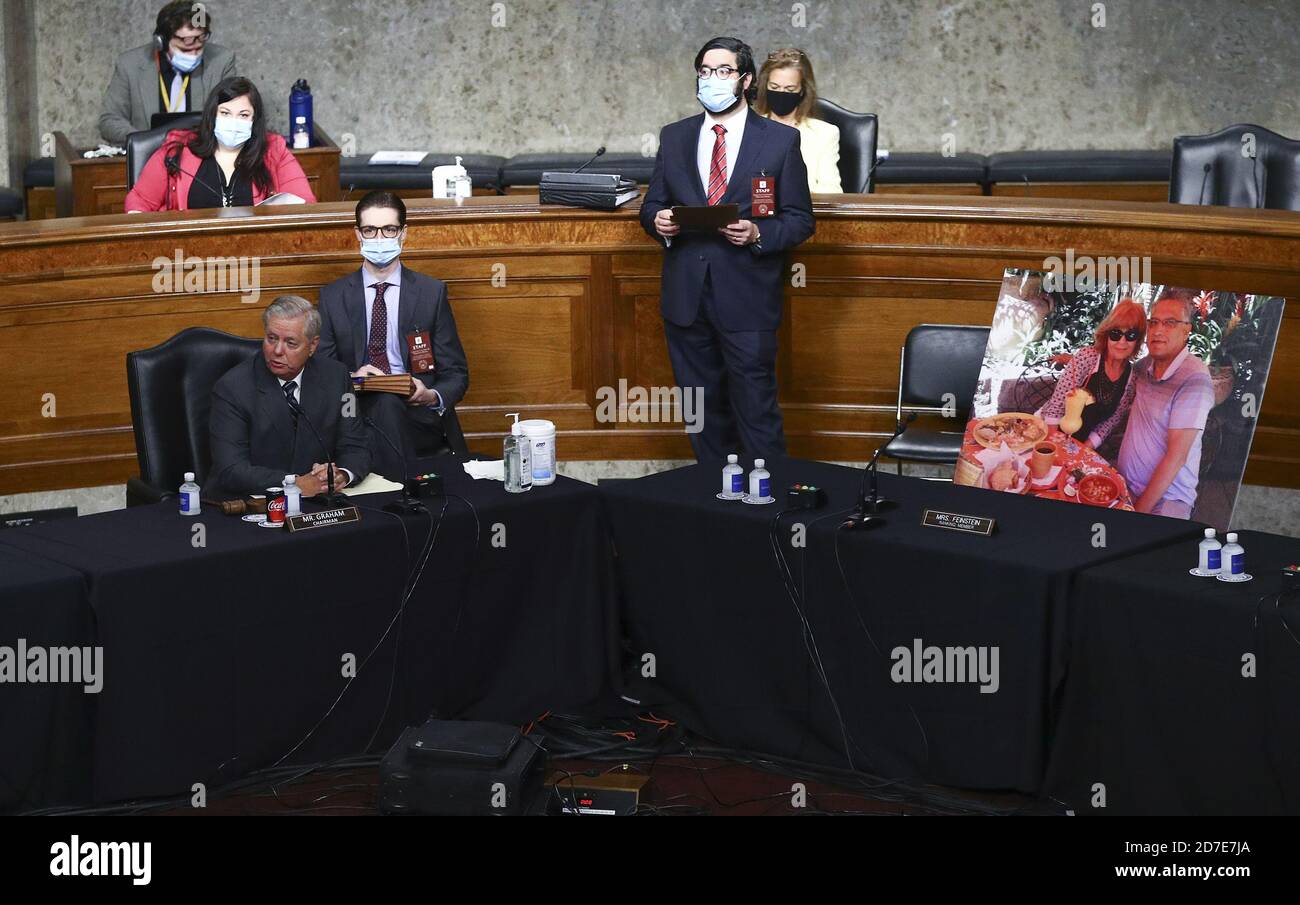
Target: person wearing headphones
[
  {"x": 230, "y": 160},
  {"x": 173, "y": 73}
]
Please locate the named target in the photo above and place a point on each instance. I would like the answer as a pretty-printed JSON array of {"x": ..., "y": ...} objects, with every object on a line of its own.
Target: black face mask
[{"x": 783, "y": 103}]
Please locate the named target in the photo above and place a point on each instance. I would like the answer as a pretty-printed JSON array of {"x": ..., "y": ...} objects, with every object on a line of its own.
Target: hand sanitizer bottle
[
  {"x": 1210, "y": 560},
  {"x": 733, "y": 479},
  {"x": 517, "y": 453},
  {"x": 189, "y": 495},
  {"x": 760, "y": 482}
]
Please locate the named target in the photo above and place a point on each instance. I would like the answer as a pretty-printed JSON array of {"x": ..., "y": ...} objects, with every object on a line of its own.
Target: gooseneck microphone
[
  {"x": 173, "y": 165},
  {"x": 866, "y": 515},
  {"x": 1203, "y": 180},
  {"x": 330, "y": 497},
  {"x": 599, "y": 151},
  {"x": 408, "y": 503}
]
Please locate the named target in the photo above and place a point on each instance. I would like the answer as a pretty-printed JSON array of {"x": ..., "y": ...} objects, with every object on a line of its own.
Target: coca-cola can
[{"x": 275, "y": 505}]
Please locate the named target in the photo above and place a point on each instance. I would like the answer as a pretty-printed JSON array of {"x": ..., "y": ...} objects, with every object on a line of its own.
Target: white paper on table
[
  {"x": 371, "y": 483},
  {"x": 401, "y": 158},
  {"x": 486, "y": 469}
]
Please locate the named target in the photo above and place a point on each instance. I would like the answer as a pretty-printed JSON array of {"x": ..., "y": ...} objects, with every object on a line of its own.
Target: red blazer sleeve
[
  {"x": 286, "y": 173},
  {"x": 150, "y": 191}
]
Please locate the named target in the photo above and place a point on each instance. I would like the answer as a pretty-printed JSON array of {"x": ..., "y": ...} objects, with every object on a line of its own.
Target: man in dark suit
[
  {"x": 721, "y": 294},
  {"x": 174, "y": 73},
  {"x": 388, "y": 319},
  {"x": 259, "y": 408}
]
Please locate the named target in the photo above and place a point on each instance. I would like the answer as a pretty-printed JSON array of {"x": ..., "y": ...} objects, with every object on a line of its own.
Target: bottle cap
[
  {"x": 731, "y": 459},
  {"x": 1232, "y": 537},
  {"x": 291, "y": 479},
  {"x": 759, "y": 463},
  {"x": 1209, "y": 532},
  {"x": 189, "y": 477}
]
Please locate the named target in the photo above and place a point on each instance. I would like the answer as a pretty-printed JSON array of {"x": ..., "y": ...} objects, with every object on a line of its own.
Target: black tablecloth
[
  {"x": 1157, "y": 709},
  {"x": 44, "y": 728},
  {"x": 704, "y": 595},
  {"x": 220, "y": 659}
]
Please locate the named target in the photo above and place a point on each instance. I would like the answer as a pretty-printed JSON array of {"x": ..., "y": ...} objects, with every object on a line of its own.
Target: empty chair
[
  {"x": 857, "y": 144},
  {"x": 939, "y": 366},
  {"x": 171, "y": 395},
  {"x": 1240, "y": 166}
]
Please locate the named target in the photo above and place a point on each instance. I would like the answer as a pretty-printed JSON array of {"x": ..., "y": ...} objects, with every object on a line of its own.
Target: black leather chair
[
  {"x": 1211, "y": 169},
  {"x": 857, "y": 144},
  {"x": 171, "y": 394},
  {"x": 141, "y": 145},
  {"x": 939, "y": 365}
]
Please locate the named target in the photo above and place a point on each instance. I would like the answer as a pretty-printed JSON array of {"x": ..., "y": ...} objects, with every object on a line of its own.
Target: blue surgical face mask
[
  {"x": 232, "y": 132},
  {"x": 716, "y": 94},
  {"x": 380, "y": 250},
  {"x": 186, "y": 62}
]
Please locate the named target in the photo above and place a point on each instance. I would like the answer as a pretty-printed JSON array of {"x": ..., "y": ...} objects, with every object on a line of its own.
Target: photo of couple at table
[{"x": 1130, "y": 396}]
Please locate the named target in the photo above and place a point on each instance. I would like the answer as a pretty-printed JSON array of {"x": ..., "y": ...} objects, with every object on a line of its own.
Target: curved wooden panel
[{"x": 554, "y": 304}]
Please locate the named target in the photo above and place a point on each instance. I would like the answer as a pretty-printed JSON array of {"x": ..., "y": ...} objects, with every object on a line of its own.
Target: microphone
[
  {"x": 173, "y": 164},
  {"x": 1254, "y": 179},
  {"x": 866, "y": 514},
  {"x": 330, "y": 497},
  {"x": 871, "y": 172},
  {"x": 599, "y": 151},
  {"x": 407, "y": 503},
  {"x": 1024, "y": 177},
  {"x": 1203, "y": 179}
]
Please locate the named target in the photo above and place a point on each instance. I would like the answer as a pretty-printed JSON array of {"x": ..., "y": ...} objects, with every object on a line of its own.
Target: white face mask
[
  {"x": 232, "y": 132},
  {"x": 186, "y": 62}
]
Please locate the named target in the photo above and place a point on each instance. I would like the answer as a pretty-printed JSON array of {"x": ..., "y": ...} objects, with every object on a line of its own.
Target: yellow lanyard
[{"x": 166, "y": 96}]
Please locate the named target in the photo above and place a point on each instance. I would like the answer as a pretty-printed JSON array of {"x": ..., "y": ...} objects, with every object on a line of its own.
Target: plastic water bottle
[
  {"x": 300, "y": 107},
  {"x": 760, "y": 482},
  {"x": 189, "y": 495},
  {"x": 733, "y": 479},
  {"x": 292, "y": 495},
  {"x": 1211, "y": 560},
  {"x": 1234, "y": 557},
  {"x": 517, "y": 455},
  {"x": 301, "y": 137}
]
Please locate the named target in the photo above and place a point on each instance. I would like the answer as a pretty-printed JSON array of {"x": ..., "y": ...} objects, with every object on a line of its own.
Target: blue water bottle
[{"x": 300, "y": 120}]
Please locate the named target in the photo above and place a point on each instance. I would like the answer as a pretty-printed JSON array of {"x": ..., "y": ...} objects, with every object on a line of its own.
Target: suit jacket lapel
[
  {"x": 354, "y": 300},
  {"x": 405, "y": 316},
  {"x": 275, "y": 410},
  {"x": 147, "y": 88},
  {"x": 738, "y": 184}
]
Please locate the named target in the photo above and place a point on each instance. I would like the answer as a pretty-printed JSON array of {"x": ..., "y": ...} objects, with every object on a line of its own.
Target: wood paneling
[{"x": 553, "y": 304}]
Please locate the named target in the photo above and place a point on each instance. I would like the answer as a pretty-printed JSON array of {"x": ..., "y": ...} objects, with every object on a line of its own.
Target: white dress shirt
[{"x": 734, "y": 123}]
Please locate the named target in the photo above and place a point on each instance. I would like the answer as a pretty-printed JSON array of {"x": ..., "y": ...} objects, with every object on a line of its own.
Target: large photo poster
[{"x": 1129, "y": 395}]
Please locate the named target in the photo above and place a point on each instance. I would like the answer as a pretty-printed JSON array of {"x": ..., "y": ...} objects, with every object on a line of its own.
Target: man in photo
[{"x": 1161, "y": 453}]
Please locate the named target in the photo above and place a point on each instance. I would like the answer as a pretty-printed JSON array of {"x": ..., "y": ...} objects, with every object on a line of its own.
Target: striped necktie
[{"x": 718, "y": 168}]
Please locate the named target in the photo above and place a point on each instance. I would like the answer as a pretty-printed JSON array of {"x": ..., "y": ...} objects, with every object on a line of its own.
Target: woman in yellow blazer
[{"x": 787, "y": 93}]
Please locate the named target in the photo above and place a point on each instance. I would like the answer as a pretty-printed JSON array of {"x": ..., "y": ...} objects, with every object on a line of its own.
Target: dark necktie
[
  {"x": 718, "y": 169},
  {"x": 291, "y": 402},
  {"x": 377, "y": 346}
]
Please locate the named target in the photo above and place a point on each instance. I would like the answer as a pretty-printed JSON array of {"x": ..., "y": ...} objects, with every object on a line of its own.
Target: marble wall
[{"x": 535, "y": 75}]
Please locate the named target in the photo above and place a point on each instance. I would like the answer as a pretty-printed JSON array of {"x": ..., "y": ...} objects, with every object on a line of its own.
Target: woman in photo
[
  {"x": 1103, "y": 369},
  {"x": 230, "y": 161}
]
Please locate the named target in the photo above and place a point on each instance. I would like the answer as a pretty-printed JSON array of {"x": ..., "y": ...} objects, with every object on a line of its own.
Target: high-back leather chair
[
  {"x": 938, "y": 365},
  {"x": 171, "y": 395},
  {"x": 1216, "y": 169},
  {"x": 141, "y": 145},
  {"x": 857, "y": 144}
]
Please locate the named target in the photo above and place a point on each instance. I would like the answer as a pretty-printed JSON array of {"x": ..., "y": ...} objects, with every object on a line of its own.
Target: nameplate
[
  {"x": 309, "y": 520},
  {"x": 955, "y": 521}
]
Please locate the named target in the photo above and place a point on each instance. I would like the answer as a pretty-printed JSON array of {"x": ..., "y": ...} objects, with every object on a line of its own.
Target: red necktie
[
  {"x": 377, "y": 346},
  {"x": 718, "y": 169}
]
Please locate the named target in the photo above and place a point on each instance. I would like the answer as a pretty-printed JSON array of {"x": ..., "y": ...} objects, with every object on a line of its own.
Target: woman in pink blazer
[{"x": 230, "y": 161}]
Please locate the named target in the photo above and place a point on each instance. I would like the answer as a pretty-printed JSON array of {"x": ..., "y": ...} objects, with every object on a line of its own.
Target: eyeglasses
[
  {"x": 1167, "y": 322},
  {"x": 1117, "y": 334},
  {"x": 389, "y": 232},
  {"x": 192, "y": 40},
  {"x": 722, "y": 72}
]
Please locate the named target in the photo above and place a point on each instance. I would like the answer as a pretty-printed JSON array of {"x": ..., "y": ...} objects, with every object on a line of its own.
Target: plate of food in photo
[
  {"x": 1018, "y": 430},
  {"x": 1098, "y": 489}
]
